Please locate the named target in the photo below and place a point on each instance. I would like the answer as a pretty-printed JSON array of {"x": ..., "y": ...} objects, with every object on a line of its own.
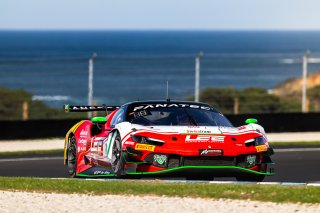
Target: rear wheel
[
  {"x": 251, "y": 178},
  {"x": 72, "y": 157},
  {"x": 117, "y": 159}
]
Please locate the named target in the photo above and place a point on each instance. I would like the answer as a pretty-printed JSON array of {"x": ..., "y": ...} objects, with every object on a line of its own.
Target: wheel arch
[{"x": 70, "y": 134}]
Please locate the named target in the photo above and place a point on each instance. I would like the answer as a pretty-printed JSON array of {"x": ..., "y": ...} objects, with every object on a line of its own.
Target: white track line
[
  {"x": 297, "y": 150},
  {"x": 196, "y": 181},
  {"x": 30, "y": 159},
  {"x": 313, "y": 184}
]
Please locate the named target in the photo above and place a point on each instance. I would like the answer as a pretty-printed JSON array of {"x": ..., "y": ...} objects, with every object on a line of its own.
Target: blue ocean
[{"x": 136, "y": 65}]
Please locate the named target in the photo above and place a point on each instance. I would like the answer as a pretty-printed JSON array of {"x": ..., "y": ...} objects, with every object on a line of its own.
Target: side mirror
[
  {"x": 99, "y": 120},
  {"x": 251, "y": 121}
]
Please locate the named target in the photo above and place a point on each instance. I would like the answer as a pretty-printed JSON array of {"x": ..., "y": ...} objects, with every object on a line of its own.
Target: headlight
[
  {"x": 138, "y": 139},
  {"x": 147, "y": 140},
  {"x": 255, "y": 141},
  {"x": 259, "y": 141}
]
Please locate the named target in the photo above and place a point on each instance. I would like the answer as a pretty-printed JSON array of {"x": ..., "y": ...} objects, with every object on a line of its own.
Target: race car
[{"x": 166, "y": 138}]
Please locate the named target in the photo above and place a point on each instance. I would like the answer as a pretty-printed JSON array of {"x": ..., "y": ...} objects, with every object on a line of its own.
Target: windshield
[{"x": 177, "y": 117}]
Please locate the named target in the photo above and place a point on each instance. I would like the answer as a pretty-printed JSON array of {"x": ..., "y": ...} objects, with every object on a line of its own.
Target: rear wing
[{"x": 71, "y": 108}]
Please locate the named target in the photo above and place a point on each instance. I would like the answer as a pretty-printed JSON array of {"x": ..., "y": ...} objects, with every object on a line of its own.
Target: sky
[{"x": 160, "y": 14}]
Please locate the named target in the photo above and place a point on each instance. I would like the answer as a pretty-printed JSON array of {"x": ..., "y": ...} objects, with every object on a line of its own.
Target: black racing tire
[
  {"x": 251, "y": 178},
  {"x": 72, "y": 157},
  {"x": 117, "y": 159}
]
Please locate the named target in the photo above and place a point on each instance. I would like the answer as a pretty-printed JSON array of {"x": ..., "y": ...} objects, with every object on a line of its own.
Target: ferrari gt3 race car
[{"x": 165, "y": 138}]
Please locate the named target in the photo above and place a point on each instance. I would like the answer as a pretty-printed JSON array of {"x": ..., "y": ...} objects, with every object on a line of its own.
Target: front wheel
[
  {"x": 117, "y": 159},
  {"x": 72, "y": 157}
]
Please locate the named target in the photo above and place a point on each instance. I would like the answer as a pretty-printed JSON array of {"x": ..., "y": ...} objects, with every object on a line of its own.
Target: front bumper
[{"x": 217, "y": 171}]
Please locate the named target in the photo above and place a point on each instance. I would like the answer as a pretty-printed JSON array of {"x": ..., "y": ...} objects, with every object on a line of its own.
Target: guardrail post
[
  {"x": 94, "y": 113},
  {"x": 236, "y": 106},
  {"x": 25, "y": 111}
]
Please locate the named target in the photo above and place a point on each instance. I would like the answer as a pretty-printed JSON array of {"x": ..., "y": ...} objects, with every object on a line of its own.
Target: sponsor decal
[
  {"x": 198, "y": 132},
  {"x": 83, "y": 133},
  {"x": 129, "y": 143},
  {"x": 81, "y": 148},
  {"x": 82, "y": 141},
  {"x": 204, "y": 139},
  {"x": 251, "y": 160},
  {"x": 210, "y": 152},
  {"x": 160, "y": 159},
  {"x": 153, "y": 106},
  {"x": 69, "y": 108},
  {"x": 141, "y": 113},
  {"x": 261, "y": 148},
  {"x": 96, "y": 146},
  {"x": 87, "y": 107},
  {"x": 144, "y": 147},
  {"x": 101, "y": 172}
]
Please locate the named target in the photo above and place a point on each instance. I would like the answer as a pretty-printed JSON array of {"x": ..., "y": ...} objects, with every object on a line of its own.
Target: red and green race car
[{"x": 166, "y": 138}]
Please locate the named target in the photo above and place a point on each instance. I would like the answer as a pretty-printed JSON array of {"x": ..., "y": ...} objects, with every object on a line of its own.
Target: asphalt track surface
[{"x": 291, "y": 165}]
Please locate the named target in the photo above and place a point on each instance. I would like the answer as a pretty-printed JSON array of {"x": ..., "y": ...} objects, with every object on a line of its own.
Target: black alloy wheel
[
  {"x": 72, "y": 157},
  {"x": 117, "y": 159}
]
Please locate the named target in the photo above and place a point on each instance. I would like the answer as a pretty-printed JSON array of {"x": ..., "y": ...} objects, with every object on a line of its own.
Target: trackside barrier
[
  {"x": 282, "y": 122},
  {"x": 33, "y": 129},
  {"x": 275, "y": 122}
]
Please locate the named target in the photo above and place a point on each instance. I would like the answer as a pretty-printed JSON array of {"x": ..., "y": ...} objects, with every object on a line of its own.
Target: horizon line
[{"x": 162, "y": 29}]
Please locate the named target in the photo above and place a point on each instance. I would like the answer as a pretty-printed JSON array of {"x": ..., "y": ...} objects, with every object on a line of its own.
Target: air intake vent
[{"x": 209, "y": 161}]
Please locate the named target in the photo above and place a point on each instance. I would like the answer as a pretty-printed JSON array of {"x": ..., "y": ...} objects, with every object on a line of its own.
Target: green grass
[{"x": 291, "y": 194}]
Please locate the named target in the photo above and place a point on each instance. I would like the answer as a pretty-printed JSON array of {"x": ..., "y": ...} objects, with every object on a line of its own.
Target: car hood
[
  {"x": 200, "y": 130},
  {"x": 187, "y": 129},
  {"x": 127, "y": 128}
]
